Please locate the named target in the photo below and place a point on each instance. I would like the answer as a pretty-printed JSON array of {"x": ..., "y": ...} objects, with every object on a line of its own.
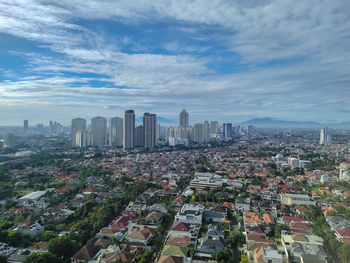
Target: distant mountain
[
  {"x": 269, "y": 122},
  {"x": 160, "y": 120}
]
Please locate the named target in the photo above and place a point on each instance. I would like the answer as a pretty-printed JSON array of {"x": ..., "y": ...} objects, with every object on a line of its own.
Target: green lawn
[{"x": 22, "y": 192}]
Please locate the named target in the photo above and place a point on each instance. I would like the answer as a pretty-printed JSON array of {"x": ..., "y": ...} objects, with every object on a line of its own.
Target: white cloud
[{"x": 314, "y": 33}]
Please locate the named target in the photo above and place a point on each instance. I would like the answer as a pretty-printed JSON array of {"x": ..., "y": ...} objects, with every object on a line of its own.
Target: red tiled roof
[{"x": 180, "y": 226}]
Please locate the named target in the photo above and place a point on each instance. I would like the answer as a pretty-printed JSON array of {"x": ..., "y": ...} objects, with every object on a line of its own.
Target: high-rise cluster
[
  {"x": 325, "y": 137},
  {"x": 121, "y": 132}
]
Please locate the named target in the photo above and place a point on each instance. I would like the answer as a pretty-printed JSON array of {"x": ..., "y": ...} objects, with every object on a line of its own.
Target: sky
[{"x": 220, "y": 60}]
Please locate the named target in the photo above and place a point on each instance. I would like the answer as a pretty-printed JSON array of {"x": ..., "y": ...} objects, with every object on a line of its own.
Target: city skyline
[{"x": 235, "y": 61}]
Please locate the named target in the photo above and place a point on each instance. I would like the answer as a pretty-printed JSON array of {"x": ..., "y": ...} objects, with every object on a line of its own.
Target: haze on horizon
[{"x": 222, "y": 60}]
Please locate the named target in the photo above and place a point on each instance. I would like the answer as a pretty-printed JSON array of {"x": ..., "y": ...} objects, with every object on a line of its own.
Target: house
[
  {"x": 170, "y": 259},
  {"x": 136, "y": 207},
  {"x": 120, "y": 223},
  {"x": 243, "y": 205},
  {"x": 157, "y": 208},
  {"x": 38, "y": 247},
  {"x": 268, "y": 219},
  {"x": 190, "y": 214},
  {"x": 212, "y": 241},
  {"x": 154, "y": 217},
  {"x": 251, "y": 218},
  {"x": 29, "y": 228},
  {"x": 179, "y": 241},
  {"x": 300, "y": 227},
  {"x": 301, "y": 210},
  {"x": 87, "y": 252},
  {"x": 210, "y": 215},
  {"x": 140, "y": 235},
  {"x": 297, "y": 199},
  {"x": 267, "y": 255},
  {"x": 177, "y": 251}
]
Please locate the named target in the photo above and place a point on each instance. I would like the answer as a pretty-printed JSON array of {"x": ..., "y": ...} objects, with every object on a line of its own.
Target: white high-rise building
[
  {"x": 198, "y": 133},
  {"x": 149, "y": 129},
  {"x": 170, "y": 132},
  {"x": 325, "y": 137},
  {"x": 139, "y": 136},
  {"x": 129, "y": 129},
  {"x": 99, "y": 131},
  {"x": 83, "y": 138},
  {"x": 206, "y": 132},
  {"x": 183, "y": 119},
  {"x": 78, "y": 124},
  {"x": 9, "y": 140},
  {"x": 189, "y": 133},
  {"x": 214, "y": 127},
  {"x": 116, "y": 132},
  {"x": 180, "y": 132}
]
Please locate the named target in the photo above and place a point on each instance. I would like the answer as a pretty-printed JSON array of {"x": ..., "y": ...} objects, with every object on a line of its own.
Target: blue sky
[{"x": 221, "y": 60}]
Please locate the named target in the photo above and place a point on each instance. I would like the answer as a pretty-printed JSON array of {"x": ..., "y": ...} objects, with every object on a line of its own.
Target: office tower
[
  {"x": 83, "y": 138},
  {"x": 139, "y": 136},
  {"x": 170, "y": 132},
  {"x": 227, "y": 130},
  {"x": 189, "y": 133},
  {"x": 149, "y": 129},
  {"x": 325, "y": 137},
  {"x": 9, "y": 140},
  {"x": 198, "y": 133},
  {"x": 116, "y": 132},
  {"x": 250, "y": 129},
  {"x": 214, "y": 127},
  {"x": 183, "y": 118},
  {"x": 40, "y": 127},
  {"x": 157, "y": 133},
  {"x": 99, "y": 131},
  {"x": 128, "y": 129},
  {"x": 78, "y": 124},
  {"x": 25, "y": 125},
  {"x": 180, "y": 132},
  {"x": 206, "y": 132}
]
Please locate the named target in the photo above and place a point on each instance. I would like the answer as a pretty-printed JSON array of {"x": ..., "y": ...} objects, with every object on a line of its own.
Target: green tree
[
  {"x": 278, "y": 230},
  {"x": 62, "y": 247},
  {"x": 244, "y": 259},
  {"x": 3, "y": 258},
  {"x": 223, "y": 256},
  {"x": 344, "y": 252},
  {"x": 46, "y": 257}
]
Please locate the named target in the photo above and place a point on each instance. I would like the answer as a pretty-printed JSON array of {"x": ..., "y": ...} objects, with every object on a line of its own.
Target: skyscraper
[
  {"x": 116, "y": 131},
  {"x": 149, "y": 129},
  {"x": 83, "y": 138},
  {"x": 325, "y": 137},
  {"x": 227, "y": 130},
  {"x": 198, "y": 133},
  {"x": 78, "y": 124},
  {"x": 206, "y": 132},
  {"x": 129, "y": 129},
  {"x": 139, "y": 136},
  {"x": 99, "y": 131},
  {"x": 214, "y": 127},
  {"x": 25, "y": 125},
  {"x": 183, "y": 118},
  {"x": 170, "y": 132}
]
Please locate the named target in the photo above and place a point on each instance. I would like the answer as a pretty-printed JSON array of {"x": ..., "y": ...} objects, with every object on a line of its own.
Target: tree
[
  {"x": 278, "y": 230},
  {"x": 223, "y": 256},
  {"x": 244, "y": 259},
  {"x": 345, "y": 253},
  {"x": 62, "y": 247},
  {"x": 3, "y": 258},
  {"x": 46, "y": 257}
]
